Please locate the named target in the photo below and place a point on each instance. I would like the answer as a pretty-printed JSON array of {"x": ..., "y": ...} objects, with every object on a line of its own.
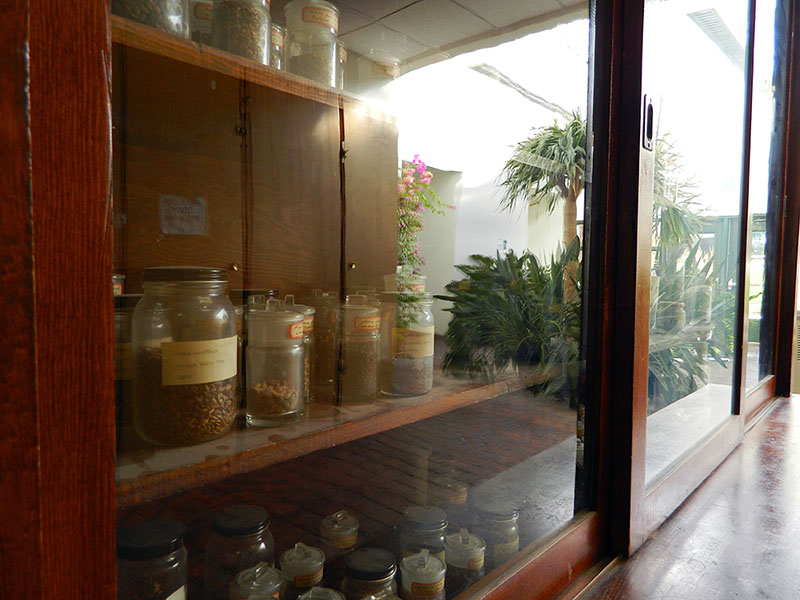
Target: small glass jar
[
  {"x": 321, "y": 593},
  {"x": 407, "y": 332},
  {"x": 369, "y": 571},
  {"x": 171, "y": 16},
  {"x": 259, "y": 582},
  {"x": 184, "y": 351},
  {"x": 201, "y": 15},
  {"x": 277, "y": 47},
  {"x": 242, "y": 27},
  {"x": 326, "y": 338},
  {"x": 151, "y": 561},
  {"x": 274, "y": 364},
  {"x": 422, "y": 577},
  {"x": 340, "y": 530},
  {"x": 308, "y": 344},
  {"x": 496, "y": 521},
  {"x": 240, "y": 539},
  {"x": 465, "y": 554},
  {"x": 311, "y": 27},
  {"x": 423, "y": 529},
  {"x": 301, "y": 569},
  {"x": 341, "y": 64},
  {"x": 117, "y": 284},
  {"x": 360, "y": 351}
]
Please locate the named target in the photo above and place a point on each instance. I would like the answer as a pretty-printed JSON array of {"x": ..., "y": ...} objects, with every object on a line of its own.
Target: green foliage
[{"x": 510, "y": 311}]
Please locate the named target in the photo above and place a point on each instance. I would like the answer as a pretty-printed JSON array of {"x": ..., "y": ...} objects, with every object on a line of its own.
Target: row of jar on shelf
[
  {"x": 437, "y": 560},
  {"x": 185, "y": 354},
  {"x": 307, "y": 45}
]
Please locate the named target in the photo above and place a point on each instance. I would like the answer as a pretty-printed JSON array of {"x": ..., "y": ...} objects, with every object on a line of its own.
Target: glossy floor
[{"x": 737, "y": 536}]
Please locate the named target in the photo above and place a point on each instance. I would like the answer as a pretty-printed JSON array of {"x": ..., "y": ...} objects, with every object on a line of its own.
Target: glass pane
[
  {"x": 350, "y": 288},
  {"x": 698, "y": 90},
  {"x": 769, "y": 84}
]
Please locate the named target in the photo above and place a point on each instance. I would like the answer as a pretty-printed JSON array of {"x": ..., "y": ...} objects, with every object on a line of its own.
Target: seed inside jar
[{"x": 270, "y": 398}]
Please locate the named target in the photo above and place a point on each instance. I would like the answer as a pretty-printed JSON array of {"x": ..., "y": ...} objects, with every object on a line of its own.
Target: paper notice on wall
[{"x": 182, "y": 216}]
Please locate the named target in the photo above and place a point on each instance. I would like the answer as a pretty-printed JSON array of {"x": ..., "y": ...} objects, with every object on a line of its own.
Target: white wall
[{"x": 544, "y": 229}]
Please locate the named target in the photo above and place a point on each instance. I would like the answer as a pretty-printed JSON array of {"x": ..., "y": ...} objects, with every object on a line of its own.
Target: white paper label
[
  {"x": 182, "y": 216},
  {"x": 179, "y": 594},
  {"x": 189, "y": 363}
]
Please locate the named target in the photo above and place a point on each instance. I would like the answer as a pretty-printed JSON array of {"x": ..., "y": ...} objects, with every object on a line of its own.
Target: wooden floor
[{"x": 737, "y": 536}]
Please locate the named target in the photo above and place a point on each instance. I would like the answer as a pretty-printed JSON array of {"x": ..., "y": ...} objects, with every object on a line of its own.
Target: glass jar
[
  {"x": 368, "y": 571},
  {"x": 301, "y": 569},
  {"x": 311, "y": 27},
  {"x": 465, "y": 554},
  {"x": 422, "y": 577},
  {"x": 496, "y": 521},
  {"x": 259, "y": 582},
  {"x": 341, "y": 64},
  {"x": 274, "y": 364},
  {"x": 242, "y": 27},
  {"x": 240, "y": 539},
  {"x": 308, "y": 344},
  {"x": 171, "y": 16},
  {"x": 277, "y": 47},
  {"x": 184, "y": 347},
  {"x": 124, "y": 306},
  {"x": 423, "y": 529},
  {"x": 340, "y": 530},
  {"x": 117, "y": 284},
  {"x": 406, "y": 343},
  {"x": 321, "y": 593},
  {"x": 201, "y": 14},
  {"x": 151, "y": 561},
  {"x": 360, "y": 350},
  {"x": 326, "y": 339}
]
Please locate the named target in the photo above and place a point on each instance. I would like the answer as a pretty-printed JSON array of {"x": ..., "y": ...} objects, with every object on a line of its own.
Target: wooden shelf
[{"x": 149, "y": 474}]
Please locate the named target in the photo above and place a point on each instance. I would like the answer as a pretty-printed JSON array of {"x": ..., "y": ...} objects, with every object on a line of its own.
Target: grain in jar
[
  {"x": 201, "y": 14},
  {"x": 407, "y": 336},
  {"x": 171, "y": 16},
  {"x": 465, "y": 554},
  {"x": 308, "y": 313},
  {"x": 360, "y": 350},
  {"x": 422, "y": 577},
  {"x": 301, "y": 569},
  {"x": 256, "y": 583},
  {"x": 369, "y": 572},
  {"x": 151, "y": 561},
  {"x": 277, "y": 47},
  {"x": 242, "y": 27},
  {"x": 184, "y": 356},
  {"x": 311, "y": 27}
]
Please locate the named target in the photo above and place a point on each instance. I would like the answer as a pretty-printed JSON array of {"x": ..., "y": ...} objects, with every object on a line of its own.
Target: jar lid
[
  {"x": 301, "y": 560},
  {"x": 462, "y": 547},
  {"x": 270, "y": 322},
  {"x": 425, "y": 518},
  {"x": 370, "y": 564},
  {"x": 498, "y": 509},
  {"x": 180, "y": 273},
  {"x": 360, "y": 317},
  {"x": 321, "y": 593},
  {"x": 338, "y": 524},
  {"x": 240, "y": 519},
  {"x": 300, "y": 308},
  {"x": 421, "y": 568},
  {"x": 261, "y": 578},
  {"x": 149, "y": 539}
]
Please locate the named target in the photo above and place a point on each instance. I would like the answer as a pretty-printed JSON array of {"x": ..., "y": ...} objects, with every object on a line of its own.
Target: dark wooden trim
[
  {"x": 20, "y": 542},
  {"x": 757, "y": 397},
  {"x": 70, "y": 118}
]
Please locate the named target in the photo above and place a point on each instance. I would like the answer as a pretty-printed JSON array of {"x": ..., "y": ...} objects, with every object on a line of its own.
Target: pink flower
[{"x": 401, "y": 188}]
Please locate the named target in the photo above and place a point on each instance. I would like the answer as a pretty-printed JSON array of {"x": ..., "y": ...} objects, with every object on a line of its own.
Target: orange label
[
  {"x": 309, "y": 580},
  {"x": 278, "y": 38},
  {"x": 367, "y": 323},
  {"x": 344, "y": 542},
  {"x": 296, "y": 331},
  {"x": 116, "y": 288},
  {"x": 321, "y": 16},
  {"x": 475, "y": 563},
  {"x": 203, "y": 11},
  {"x": 308, "y": 324},
  {"x": 424, "y": 590}
]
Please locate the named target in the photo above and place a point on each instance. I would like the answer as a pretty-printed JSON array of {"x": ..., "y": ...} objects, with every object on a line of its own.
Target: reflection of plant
[{"x": 510, "y": 310}]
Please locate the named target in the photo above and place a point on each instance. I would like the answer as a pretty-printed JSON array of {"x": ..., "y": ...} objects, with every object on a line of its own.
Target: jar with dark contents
[
  {"x": 308, "y": 313},
  {"x": 274, "y": 352},
  {"x": 242, "y": 27},
  {"x": 301, "y": 569},
  {"x": 321, "y": 593},
  {"x": 422, "y": 577},
  {"x": 240, "y": 539},
  {"x": 496, "y": 521},
  {"x": 423, "y": 529},
  {"x": 259, "y": 582},
  {"x": 151, "y": 561},
  {"x": 360, "y": 350},
  {"x": 277, "y": 47},
  {"x": 184, "y": 356},
  {"x": 171, "y": 16},
  {"x": 465, "y": 553},
  {"x": 369, "y": 572},
  {"x": 326, "y": 341}
]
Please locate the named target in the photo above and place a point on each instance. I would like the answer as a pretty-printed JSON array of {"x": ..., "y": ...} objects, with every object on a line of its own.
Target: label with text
[
  {"x": 182, "y": 216},
  {"x": 321, "y": 16},
  {"x": 367, "y": 323},
  {"x": 475, "y": 563},
  {"x": 427, "y": 590},
  {"x": 412, "y": 343},
  {"x": 308, "y": 580},
  {"x": 278, "y": 38},
  {"x": 296, "y": 331},
  {"x": 308, "y": 325},
  {"x": 190, "y": 363}
]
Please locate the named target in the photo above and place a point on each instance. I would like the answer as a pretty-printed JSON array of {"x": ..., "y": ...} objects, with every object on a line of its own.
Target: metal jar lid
[
  {"x": 149, "y": 539},
  {"x": 269, "y": 322},
  {"x": 240, "y": 520},
  {"x": 425, "y": 518},
  {"x": 184, "y": 273},
  {"x": 370, "y": 564}
]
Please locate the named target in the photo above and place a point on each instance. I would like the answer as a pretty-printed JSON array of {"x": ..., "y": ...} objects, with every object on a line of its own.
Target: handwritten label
[
  {"x": 189, "y": 363},
  {"x": 321, "y": 16},
  {"x": 296, "y": 331},
  {"x": 427, "y": 590},
  {"x": 278, "y": 38},
  {"x": 367, "y": 323},
  {"x": 308, "y": 325},
  {"x": 183, "y": 216},
  {"x": 412, "y": 343}
]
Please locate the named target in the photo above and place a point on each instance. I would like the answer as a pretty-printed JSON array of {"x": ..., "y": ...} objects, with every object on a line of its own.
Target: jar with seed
[
  {"x": 311, "y": 27},
  {"x": 360, "y": 350},
  {"x": 242, "y": 27},
  {"x": 326, "y": 339},
  {"x": 200, "y": 19},
  {"x": 301, "y": 569},
  {"x": 171, "y": 16},
  {"x": 240, "y": 539},
  {"x": 277, "y": 47},
  {"x": 260, "y": 582},
  {"x": 184, "y": 352},
  {"x": 422, "y": 577},
  {"x": 274, "y": 364},
  {"x": 423, "y": 529},
  {"x": 464, "y": 552},
  {"x": 308, "y": 344},
  {"x": 406, "y": 343},
  {"x": 369, "y": 572},
  {"x": 496, "y": 521},
  {"x": 151, "y": 561},
  {"x": 321, "y": 593}
]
